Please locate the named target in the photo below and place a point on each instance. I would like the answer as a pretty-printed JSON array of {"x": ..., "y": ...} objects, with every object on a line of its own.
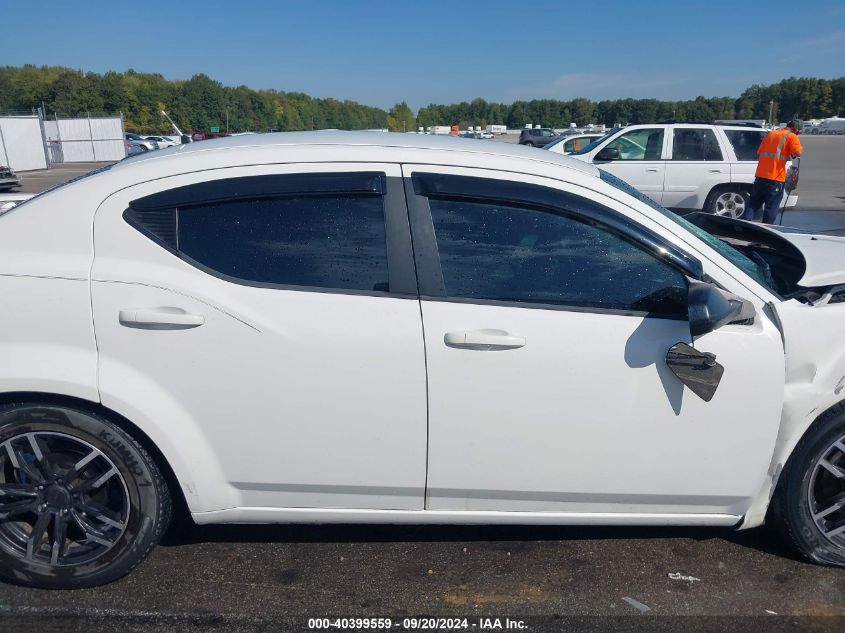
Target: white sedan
[
  {"x": 366, "y": 327},
  {"x": 163, "y": 141}
]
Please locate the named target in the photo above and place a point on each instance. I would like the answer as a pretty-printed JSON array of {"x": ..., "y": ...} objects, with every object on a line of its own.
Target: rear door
[
  {"x": 641, "y": 159},
  {"x": 265, "y": 321},
  {"x": 697, "y": 163}
]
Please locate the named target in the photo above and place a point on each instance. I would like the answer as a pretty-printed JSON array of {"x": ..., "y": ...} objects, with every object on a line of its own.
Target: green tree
[{"x": 401, "y": 118}]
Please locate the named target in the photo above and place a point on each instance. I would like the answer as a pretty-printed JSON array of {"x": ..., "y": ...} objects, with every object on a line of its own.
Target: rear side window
[
  {"x": 510, "y": 253},
  {"x": 695, "y": 144},
  {"x": 322, "y": 242},
  {"x": 745, "y": 143}
]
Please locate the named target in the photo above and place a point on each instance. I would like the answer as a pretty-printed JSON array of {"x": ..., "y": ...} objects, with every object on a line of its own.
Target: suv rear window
[{"x": 745, "y": 142}]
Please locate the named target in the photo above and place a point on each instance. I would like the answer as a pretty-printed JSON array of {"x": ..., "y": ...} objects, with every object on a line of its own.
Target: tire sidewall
[
  {"x": 710, "y": 203},
  {"x": 137, "y": 471}
]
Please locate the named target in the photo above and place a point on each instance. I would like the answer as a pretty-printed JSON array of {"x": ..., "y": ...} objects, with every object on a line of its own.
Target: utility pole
[
  {"x": 227, "y": 120},
  {"x": 771, "y": 107}
]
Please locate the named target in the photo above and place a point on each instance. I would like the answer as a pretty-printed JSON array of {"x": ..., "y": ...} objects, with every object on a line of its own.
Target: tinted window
[
  {"x": 644, "y": 144},
  {"x": 324, "y": 242},
  {"x": 745, "y": 142},
  {"x": 695, "y": 144},
  {"x": 509, "y": 253}
]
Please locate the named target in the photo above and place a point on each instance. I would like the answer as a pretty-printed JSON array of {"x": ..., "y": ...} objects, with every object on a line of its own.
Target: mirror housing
[
  {"x": 608, "y": 153},
  {"x": 710, "y": 308}
]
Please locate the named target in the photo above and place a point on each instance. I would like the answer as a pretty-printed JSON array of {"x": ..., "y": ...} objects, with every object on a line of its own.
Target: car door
[
  {"x": 641, "y": 159},
  {"x": 696, "y": 165},
  {"x": 548, "y": 314},
  {"x": 261, "y": 321}
]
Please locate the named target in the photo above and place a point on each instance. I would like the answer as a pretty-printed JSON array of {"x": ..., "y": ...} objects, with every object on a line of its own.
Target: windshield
[
  {"x": 756, "y": 270},
  {"x": 589, "y": 147}
]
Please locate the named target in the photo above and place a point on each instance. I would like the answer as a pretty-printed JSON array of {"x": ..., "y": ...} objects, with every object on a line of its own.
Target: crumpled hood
[{"x": 824, "y": 256}]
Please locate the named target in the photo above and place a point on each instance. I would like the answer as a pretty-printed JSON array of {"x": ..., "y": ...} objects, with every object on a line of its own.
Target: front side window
[
  {"x": 745, "y": 142},
  {"x": 645, "y": 144},
  {"x": 695, "y": 144},
  {"x": 504, "y": 252},
  {"x": 334, "y": 241}
]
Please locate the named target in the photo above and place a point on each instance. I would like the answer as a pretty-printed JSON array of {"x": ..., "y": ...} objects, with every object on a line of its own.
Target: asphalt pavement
[{"x": 268, "y": 578}]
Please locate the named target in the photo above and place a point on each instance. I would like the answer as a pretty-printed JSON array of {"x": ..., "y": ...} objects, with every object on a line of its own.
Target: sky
[{"x": 379, "y": 52}]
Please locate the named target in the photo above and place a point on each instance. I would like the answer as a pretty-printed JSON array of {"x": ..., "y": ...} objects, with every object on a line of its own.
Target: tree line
[{"x": 200, "y": 103}]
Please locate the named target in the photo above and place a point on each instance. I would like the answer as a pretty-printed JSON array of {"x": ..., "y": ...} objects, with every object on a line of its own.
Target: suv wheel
[
  {"x": 730, "y": 202},
  {"x": 809, "y": 504},
  {"x": 81, "y": 502}
]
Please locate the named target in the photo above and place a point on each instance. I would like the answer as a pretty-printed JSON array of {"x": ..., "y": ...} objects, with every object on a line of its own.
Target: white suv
[
  {"x": 684, "y": 166},
  {"x": 340, "y": 327}
]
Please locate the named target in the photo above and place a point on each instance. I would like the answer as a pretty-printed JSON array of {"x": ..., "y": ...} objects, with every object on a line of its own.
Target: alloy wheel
[
  {"x": 827, "y": 493},
  {"x": 62, "y": 501},
  {"x": 730, "y": 204}
]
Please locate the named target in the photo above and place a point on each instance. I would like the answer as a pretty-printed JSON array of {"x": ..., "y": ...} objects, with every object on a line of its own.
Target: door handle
[
  {"x": 652, "y": 170},
  {"x": 715, "y": 171},
  {"x": 165, "y": 318},
  {"x": 483, "y": 339}
]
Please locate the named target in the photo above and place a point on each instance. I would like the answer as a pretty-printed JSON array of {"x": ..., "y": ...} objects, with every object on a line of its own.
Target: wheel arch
[
  {"x": 789, "y": 438},
  {"x": 181, "y": 508}
]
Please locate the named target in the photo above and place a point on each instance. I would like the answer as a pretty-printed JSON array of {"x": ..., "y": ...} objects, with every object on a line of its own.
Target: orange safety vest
[{"x": 773, "y": 153}]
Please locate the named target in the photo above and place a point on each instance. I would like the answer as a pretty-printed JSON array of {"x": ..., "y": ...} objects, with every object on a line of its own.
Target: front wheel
[
  {"x": 728, "y": 202},
  {"x": 809, "y": 504},
  {"x": 81, "y": 502}
]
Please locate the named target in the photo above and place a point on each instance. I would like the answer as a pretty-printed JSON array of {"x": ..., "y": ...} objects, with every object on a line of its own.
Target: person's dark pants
[{"x": 764, "y": 192}]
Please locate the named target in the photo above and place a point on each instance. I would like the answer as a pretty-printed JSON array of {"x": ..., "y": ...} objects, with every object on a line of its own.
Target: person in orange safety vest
[{"x": 779, "y": 146}]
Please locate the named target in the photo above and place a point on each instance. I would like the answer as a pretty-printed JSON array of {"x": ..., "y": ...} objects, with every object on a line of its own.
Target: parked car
[
  {"x": 135, "y": 147},
  {"x": 8, "y": 178},
  {"x": 572, "y": 143},
  {"x": 163, "y": 141},
  {"x": 537, "y": 136},
  {"x": 141, "y": 141},
  {"x": 269, "y": 330},
  {"x": 689, "y": 167}
]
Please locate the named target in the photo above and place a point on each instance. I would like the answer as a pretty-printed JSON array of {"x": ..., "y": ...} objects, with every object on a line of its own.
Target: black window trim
[
  {"x": 402, "y": 278},
  {"x": 424, "y": 185}
]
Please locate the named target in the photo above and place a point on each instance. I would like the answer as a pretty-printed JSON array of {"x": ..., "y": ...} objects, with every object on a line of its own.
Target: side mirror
[
  {"x": 608, "y": 153},
  {"x": 710, "y": 308}
]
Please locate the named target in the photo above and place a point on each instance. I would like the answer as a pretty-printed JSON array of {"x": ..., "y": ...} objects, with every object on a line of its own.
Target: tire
[
  {"x": 728, "y": 201},
  {"x": 82, "y": 502},
  {"x": 807, "y": 489}
]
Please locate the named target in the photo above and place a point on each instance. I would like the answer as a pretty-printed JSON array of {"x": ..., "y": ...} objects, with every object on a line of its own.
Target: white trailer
[
  {"x": 497, "y": 129},
  {"x": 441, "y": 129}
]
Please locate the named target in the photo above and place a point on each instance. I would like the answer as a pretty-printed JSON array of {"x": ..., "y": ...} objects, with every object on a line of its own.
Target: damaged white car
[{"x": 342, "y": 327}]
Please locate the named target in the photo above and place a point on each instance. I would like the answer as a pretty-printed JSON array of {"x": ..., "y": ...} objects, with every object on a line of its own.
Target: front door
[
  {"x": 547, "y": 323},
  {"x": 260, "y": 315},
  {"x": 640, "y": 161}
]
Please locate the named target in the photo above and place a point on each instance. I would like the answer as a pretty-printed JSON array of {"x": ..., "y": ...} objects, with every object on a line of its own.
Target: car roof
[{"x": 392, "y": 140}]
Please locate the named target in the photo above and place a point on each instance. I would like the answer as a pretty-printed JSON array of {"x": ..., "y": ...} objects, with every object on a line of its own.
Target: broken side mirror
[{"x": 710, "y": 308}]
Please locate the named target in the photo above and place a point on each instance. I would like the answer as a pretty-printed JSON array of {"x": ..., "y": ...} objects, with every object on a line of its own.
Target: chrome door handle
[
  {"x": 652, "y": 169},
  {"x": 164, "y": 318},
  {"x": 483, "y": 339}
]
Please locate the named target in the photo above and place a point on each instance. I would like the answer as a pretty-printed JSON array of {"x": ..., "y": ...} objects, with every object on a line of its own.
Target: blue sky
[{"x": 379, "y": 52}]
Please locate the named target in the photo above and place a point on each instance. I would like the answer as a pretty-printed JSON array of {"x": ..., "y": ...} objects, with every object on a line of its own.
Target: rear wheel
[
  {"x": 809, "y": 504},
  {"x": 81, "y": 502},
  {"x": 729, "y": 202}
]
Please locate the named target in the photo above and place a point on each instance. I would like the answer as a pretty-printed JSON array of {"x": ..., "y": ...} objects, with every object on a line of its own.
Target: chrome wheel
[
  {"x": 826, "y": 493},
  {"x": 730, "y": 204},
  {"x": 62, "y": 501}
]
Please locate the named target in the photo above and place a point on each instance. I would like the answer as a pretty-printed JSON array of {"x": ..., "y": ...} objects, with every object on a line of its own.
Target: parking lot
[{"x": 264, "y": 578}]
